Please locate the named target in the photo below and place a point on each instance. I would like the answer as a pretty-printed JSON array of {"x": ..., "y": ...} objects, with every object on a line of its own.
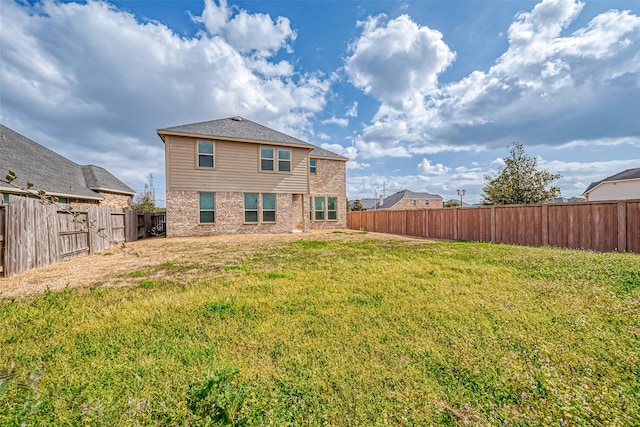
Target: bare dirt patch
[{"x": 140, "y": 260}]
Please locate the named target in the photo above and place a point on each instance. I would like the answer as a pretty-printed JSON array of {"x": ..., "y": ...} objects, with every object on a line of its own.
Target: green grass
[{"x": 337, "y": 333}]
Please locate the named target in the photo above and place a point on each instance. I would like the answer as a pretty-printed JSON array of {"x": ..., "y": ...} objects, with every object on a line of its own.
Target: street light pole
[{"x": 461, "y": 193}]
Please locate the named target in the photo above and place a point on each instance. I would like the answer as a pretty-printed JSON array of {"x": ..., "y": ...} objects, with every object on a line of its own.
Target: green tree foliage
[
  {"x": 520, "y": 181},
  {"x": 144, "y": 202},
  {"x": 357, "y": 206},
  {"x": 451, "y": 204}
]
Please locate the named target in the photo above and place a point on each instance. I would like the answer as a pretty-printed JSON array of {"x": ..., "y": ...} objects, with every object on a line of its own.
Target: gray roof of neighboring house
[
  {"x": 367, "y": 204},
  {"x": 406, "y": 194},
  {"x": 626, "y": 174},
  {"x": 50, "y": 171},
  {"x": 100, "y": 179},
  {"x": 240, "y": 128}
]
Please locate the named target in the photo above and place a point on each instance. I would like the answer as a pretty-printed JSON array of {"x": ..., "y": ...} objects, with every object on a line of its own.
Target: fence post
[
  {"x": 456, "y": 219},
  {"x": 493, "y": 224},
  {"x": 545, "y": 225},
  {"x": 622, "y": 226}
]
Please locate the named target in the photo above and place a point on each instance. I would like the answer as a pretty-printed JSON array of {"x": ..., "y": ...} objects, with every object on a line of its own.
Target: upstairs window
[
  {"x": 207, "y": 208},
  {"x": 266, "y": 158},
  {"x": 268, "y": 208},
  {"x": 270, "y": 157},
  {"x": 332, "y": 208},
  {"x": 313, "y": 165},
  {"x": 251, "y": 207},
  {"x": 206, "y": 154},
  {"x": 284, "y": 160}
]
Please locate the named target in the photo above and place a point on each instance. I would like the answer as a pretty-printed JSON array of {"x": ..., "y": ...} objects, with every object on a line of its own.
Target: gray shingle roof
[
  {"x": 244, "y": 129},
  {"x": 321, "y": 153},
  {"x": 406, "y": 194},
  {"x": 50, "y": 171},
  {"x": 236, "y": 128},
  {"x": 626, "y": 174},
  {"x": 100, "y": 179}
]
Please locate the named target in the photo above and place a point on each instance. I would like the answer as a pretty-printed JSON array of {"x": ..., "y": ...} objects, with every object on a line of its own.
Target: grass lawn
[{"x": 337, "y": 332}]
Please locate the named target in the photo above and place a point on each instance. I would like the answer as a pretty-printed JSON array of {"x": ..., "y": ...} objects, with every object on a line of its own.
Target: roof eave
[
  {"x": 601, "y": 183},
  {"x": 162, "y": 132},
  {"x": 111, "y": 190},
  {"x": 11, "y": 190}
]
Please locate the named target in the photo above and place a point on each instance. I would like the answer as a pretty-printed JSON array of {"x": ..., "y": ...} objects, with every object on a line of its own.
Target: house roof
[
  {"x": 321, "y": 153},
  {"x": 621, "y": 176},
  {"x": 100, "y": 179},
  {"x": 406, "y": 194},
  {"x": 367, "y": 204},
  {"x": 235, "y": 128},
  {"x": 239, "y": 128},
  {"x": 50, "y": 171}
]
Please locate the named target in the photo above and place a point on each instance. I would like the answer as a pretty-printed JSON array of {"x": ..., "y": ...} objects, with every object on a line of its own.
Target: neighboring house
[
  {"x": 456, "y": 203},
  {"x": 409, "y": 200},
  {"x": 57, "y": 175},
  {"x": 367, "y": 204},
  {"x": 233, "y": 175},
  {"x": 621, "y": 186},
  {"x": 403, "y": 200},
  {"x": 568, "y": 200}
]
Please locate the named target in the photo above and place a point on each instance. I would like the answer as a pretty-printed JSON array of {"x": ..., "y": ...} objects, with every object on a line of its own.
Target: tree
[
  {"x": 144, "y": 202},
  {"x": 520, "y": 181},
  {"x": 357, "y": 206},
  {"x": 451, "y": 204}
]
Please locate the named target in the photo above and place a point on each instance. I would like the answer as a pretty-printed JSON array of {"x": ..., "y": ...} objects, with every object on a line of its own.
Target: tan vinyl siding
[{"x": 237, "y": 169}]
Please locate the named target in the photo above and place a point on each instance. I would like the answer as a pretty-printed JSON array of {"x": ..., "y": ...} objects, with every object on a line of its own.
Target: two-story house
[{"x": 233, "y": 175}]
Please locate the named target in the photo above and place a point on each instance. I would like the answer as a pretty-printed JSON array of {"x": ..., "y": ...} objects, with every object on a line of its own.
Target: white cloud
[
  {"x": 90, "y": 81},
  {"x": 336, "y": 121},
  {"x": 350, "y": 152},
  {"x": 426, "y": 168},
  {"x": 353, "y": 110},
  {"x": 546, "y": 88},
  {"x": 397, "y": 60}
]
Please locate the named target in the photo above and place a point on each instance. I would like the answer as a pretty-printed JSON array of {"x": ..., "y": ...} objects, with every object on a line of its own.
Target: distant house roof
[
  {"x": 52, "y": 172},
  {"x": 621, "y": 176},
  {"x": 367, "y": 204},
  {"x": 391, "y": 201},
  {"x": 239, "y": 128},
  {"x": 458, "y": 202}
]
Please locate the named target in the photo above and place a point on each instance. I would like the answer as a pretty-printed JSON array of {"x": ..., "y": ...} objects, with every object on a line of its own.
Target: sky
[{"x": 419, "y": 95}]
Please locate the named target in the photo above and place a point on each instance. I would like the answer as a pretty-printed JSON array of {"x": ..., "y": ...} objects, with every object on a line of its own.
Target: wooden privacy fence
[
  {"x": 34, "y": 234},
  {"x": 601, "y": 226}
]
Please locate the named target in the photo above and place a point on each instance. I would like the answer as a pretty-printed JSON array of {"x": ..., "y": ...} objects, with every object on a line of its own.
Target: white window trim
[
  {"x": 275, "y": 159},
  {"x": 207, "y": 210},
  {"x": 213, "y": 145}
]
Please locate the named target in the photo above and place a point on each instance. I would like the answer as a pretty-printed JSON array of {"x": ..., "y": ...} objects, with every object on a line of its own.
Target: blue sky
[{"x": 420, "y": 95}]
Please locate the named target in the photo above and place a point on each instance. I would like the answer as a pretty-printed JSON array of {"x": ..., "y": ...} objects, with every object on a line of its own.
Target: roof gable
[
  {"x": 49, "y": 170},
  {"x": 395, "y": 198},
  {"x": 620, "y": 176},
  {"x": 236, "y": 128}
]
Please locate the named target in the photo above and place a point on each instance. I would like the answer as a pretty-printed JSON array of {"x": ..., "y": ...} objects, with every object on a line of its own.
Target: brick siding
[
  {"x": 407, "y": 204},
  {"x": 330, "y": 180},
  {"x": 115, "y": 200},
  {"x": 183, "y": 215}
]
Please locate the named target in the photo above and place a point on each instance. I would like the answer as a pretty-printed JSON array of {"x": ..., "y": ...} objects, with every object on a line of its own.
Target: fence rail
[
  {"x": 600, "y": 226},
  {"x": 35, "y": 235}
]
